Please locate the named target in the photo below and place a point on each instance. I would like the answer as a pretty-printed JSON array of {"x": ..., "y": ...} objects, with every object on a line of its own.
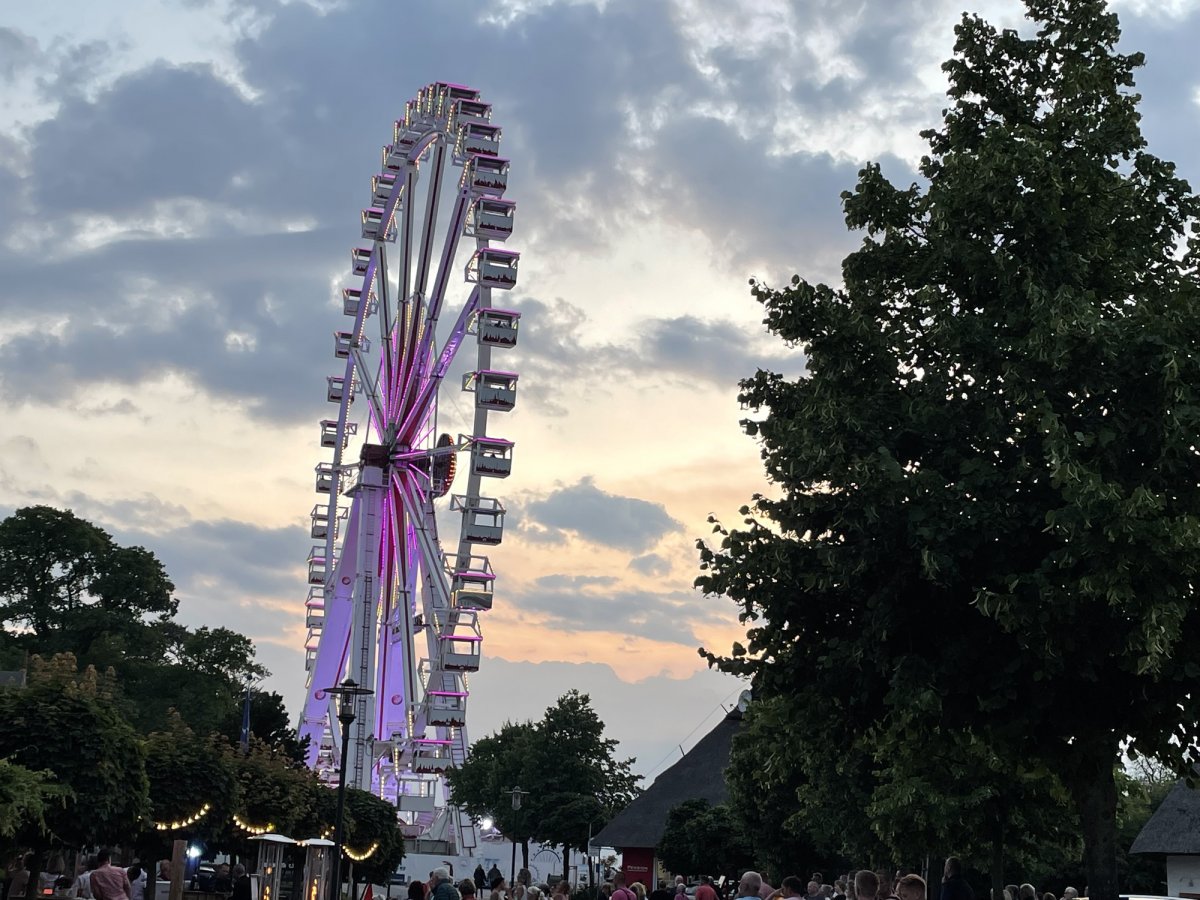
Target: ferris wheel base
[{"x": 440, "y": 835}]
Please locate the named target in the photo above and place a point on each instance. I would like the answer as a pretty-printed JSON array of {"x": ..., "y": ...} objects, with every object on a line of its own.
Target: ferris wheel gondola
[{"x": 387, "y": 605}]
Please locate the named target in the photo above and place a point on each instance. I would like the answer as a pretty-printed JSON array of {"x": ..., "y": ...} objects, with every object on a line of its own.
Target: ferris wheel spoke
[
  {"x": 436, "y": 296},
  {"x": 431, "y": 213},
  {"x": 445, "y": 358},
  {"x": 386, "y": 323},
  {"x": 371, "y": 389}
]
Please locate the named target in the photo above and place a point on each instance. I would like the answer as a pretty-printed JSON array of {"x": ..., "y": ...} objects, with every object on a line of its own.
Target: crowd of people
[
  {"x": 859, "y": 885},
  {"x": 101, "y": 880},
  {"x": 491, "y": 884}
]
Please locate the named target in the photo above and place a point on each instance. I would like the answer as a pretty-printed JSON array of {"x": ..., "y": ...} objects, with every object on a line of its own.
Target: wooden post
[{"x": 178, "y": 851}]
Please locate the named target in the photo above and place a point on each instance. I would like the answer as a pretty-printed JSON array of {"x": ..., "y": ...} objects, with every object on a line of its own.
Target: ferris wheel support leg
[
  {"x": 331, "y": 651},
  {"x": 370, "y": 495}
]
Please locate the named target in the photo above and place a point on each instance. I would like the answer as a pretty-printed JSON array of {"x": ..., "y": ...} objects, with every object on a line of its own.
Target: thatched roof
[
  {"x": 698, "y": 775},
  {"x": 1174, "y": 829}
]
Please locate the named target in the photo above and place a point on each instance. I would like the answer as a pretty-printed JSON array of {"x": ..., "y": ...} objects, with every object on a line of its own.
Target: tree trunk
[
  {"x": 1094, "y": 789},
  {"x": 525, "y": 853},
  {"x": 997, "y": 862},
  {"x": 566, "y": 863}
]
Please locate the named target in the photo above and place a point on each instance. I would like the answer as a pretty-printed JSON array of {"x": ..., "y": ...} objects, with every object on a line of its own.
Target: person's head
[
  {"x": 813, "y": 887},
  {"x": 467, "y": 888},
  {"x": 239, "y": 870},
  {"x": 1028, "y": 892},
  {"x": 498, "y": 884},
  {"x": 103, "y": 857},
  {"x": 866, "y": 884},
  {"x": 1070, "y": 894},
  {"x": 563, "y": 887},
  {"x": 618, "y": 880},
  {"x": 532, "y": 892},
  {"x": 640, "y": 889},
  {"x": 135, "y": 871},
  {"x": 792, "y": 886},
  {"x": 911, "y": 887},
  {"x": 1048, "y": 896},
  {"x": 223, "y": 869},
  {"x": 440, "y": 874},
  {"x": 817, "y": 877}
]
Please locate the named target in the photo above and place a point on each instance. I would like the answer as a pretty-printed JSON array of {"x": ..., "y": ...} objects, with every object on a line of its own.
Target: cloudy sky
[{"x": 180, "y": 183}]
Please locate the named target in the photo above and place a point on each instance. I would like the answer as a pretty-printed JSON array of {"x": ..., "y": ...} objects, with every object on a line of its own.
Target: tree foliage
[
  {"x": 65, "y": 722},
  {"x": 26, "y": 795},
  {"x": 988, "y": 490},
  {"x": 372, "y": 823},
  {"x": 188, "y": 773},
  {"x": 65, "y": 579},
  {"x": 702, "y": 839}
]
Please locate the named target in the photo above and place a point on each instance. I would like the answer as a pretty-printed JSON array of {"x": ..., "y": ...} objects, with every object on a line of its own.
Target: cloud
[
  {"x": 585, "y": 511},
  {"x": 18, "y": 52},
  {"x": 717, "y": 351},
  {"x": 652, "y": 565},
  {"x": 658, "y": 616}
]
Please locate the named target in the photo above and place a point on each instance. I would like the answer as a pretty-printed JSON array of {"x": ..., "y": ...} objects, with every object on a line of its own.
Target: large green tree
[
  {"x": 193, "y": 780},
  {"x": 66, "y": 722},
  {"x": 483, "y": 785},
  {"x": 67, "y": 587},
  {"x": 986, "y": 504},
  {"x": 373, "y": 830},
  {"x": 572, "y": 780},
  {"x": 66, "y": 583}
]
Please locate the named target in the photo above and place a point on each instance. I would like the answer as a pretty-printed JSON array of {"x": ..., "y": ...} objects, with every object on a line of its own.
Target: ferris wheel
[{"x": 387, "y": 605}]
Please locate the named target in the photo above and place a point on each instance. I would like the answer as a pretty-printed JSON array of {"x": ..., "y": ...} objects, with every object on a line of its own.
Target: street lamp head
[{"x": 517, "y": 795}]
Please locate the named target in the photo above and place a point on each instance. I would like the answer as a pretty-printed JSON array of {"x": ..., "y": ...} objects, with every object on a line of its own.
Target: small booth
[
  {"x": 270, "y": 864},
  {"x": 318, "y": 868}
]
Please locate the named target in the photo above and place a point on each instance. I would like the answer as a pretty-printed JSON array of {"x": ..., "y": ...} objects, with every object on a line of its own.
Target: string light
[
  {"x": 183, "y": 823},
  {"x": 253, "y": 829},
  {"x": 359, "y": 857}
]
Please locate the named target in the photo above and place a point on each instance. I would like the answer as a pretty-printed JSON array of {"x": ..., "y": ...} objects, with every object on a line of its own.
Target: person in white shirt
[
  {"x": 83, "y": 881},
  {"x": 137, "y": 881}
]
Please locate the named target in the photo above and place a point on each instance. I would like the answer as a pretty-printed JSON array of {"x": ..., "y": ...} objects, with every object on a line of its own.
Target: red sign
[{"x": 638, "y": 865}]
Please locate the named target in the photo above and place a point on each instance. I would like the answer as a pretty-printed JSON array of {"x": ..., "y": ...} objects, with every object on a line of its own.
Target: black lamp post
[
  {"x": 517, "y": 794},
  {"x": 349, "y": 691}
]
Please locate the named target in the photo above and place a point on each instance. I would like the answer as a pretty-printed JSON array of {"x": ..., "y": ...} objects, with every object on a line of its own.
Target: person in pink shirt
[{"x": 109, "y": 882}]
